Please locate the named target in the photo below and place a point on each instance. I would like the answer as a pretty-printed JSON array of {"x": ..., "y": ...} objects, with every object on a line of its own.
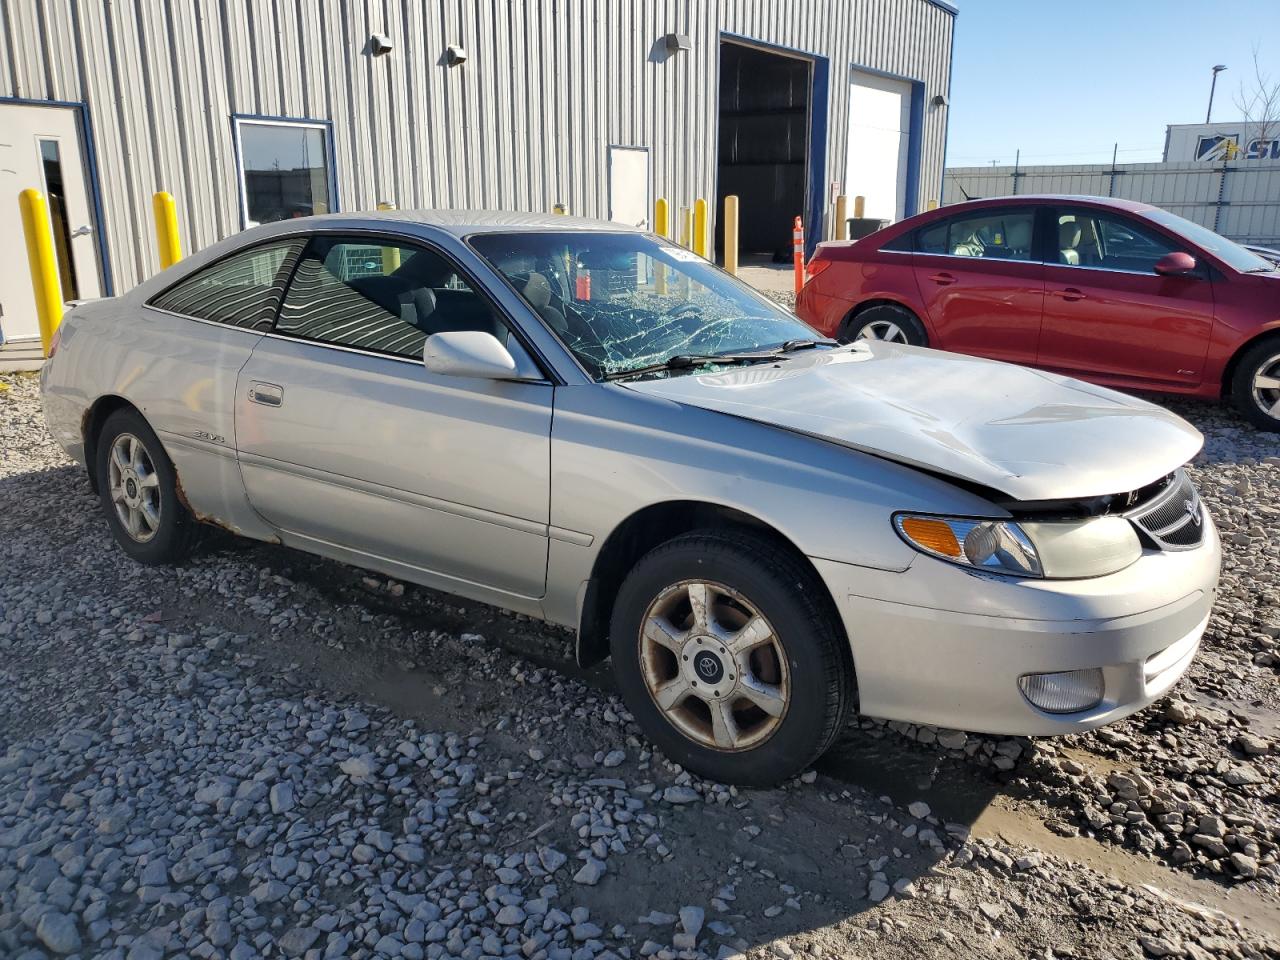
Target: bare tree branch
[{"x": 1258, "y": 101}]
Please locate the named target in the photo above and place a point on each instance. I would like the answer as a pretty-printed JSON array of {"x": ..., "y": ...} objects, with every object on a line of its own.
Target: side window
[
  {"x": 899, "y": 244},
  {"x": 377, "y": 295},
  {"x": 240, "y": 291},
  {"x": 991, "y": 235},
  {"x": 1105, "y": 241}
]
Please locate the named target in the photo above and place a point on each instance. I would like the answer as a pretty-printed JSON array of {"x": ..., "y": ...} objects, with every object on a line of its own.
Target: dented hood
[{"x": 1028, "y": 434}]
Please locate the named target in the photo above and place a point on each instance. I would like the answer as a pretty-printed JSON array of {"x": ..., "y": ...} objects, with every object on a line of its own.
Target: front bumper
[{"x": 941, "y": 645}]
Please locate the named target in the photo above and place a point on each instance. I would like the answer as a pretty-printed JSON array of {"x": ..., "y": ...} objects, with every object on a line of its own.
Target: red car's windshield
[{"x": 1230, "y": 253}]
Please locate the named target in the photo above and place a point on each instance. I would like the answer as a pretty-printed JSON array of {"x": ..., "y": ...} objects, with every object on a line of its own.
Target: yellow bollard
[
  {"x": 932, "y": 205},
  {"x": 166, "y": 213},
  {"x": 686, "y": 241},
  {"x": 662, "y": 218},
  {"x": 44, "y": 268},
  {"x": 859, "y": 207},
  {"x": 731, "y": 234},
  {"x": 701, "y": 244},
  {"x": 390, "y": 255},
  {"x": 842, "y": 217},
  {"x": 662, "y": 227}
]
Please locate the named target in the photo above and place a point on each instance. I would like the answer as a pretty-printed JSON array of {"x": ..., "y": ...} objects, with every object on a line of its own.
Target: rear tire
[
  {"x": 752, "y": 690},
  {"x": 138, "y": 488},
  {"x": 1255, "y": 386},
  {"x": 885, "y": 321}
]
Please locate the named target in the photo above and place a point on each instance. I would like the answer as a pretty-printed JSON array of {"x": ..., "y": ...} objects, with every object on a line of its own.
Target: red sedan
[{"x": 1118, "y": 293}]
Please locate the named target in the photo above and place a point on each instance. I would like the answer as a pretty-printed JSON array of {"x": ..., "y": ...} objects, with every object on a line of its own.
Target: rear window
[{"x": 242, "y": 290}]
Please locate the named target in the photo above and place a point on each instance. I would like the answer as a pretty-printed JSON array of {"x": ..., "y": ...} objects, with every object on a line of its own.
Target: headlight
[{"x": 1060, "y": 550}]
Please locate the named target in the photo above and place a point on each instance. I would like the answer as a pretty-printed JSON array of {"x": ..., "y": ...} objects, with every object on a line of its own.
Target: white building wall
[{"x": 523, "y": 124}]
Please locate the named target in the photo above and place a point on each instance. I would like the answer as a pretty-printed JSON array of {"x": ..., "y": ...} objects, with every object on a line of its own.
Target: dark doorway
[{"x": 764, "y": 144}]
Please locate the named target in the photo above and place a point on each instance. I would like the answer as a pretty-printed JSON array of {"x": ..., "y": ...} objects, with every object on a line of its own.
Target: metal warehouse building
[{"x": 254, "y": 110}]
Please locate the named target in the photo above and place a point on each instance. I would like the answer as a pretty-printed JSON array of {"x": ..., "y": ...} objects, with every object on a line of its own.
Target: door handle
[
  {"x": 267, "y": 394},
  {"x": 942, "y": 279},
  {"x": 1070, "y": 293},
  {"x": 82, "y": 231}
]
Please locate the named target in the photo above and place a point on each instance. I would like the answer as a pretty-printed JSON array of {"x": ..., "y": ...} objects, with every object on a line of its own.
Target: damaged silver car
[{"x": 764, "y": 529}]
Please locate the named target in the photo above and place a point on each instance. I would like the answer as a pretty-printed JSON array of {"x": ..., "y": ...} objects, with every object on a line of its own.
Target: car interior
[
  {"x": 1107, "y": 243},
  {"x": 385, "y": 298}
]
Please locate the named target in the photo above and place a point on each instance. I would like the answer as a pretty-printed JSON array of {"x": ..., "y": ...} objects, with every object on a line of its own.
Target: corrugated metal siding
[
  {"x": 523, "y": 124},
  {"x": 1241, "y": 202}
]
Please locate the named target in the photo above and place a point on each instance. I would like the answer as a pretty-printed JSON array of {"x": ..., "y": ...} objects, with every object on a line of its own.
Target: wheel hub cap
[
  {"x": 704, "y": 665},
  {"x": 1266, "y": 387},
  {"x": 134, "y": 487},
  {"x": 714, "y": 666}
]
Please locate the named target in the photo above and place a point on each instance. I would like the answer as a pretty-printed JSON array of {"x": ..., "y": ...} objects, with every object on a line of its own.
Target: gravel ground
[{"x": 265, "y": 754}]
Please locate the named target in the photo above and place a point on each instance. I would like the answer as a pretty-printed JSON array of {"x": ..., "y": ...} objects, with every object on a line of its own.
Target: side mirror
[
  {"x": 1176, "y": 264},
  {"x": 469, "y": 353}
]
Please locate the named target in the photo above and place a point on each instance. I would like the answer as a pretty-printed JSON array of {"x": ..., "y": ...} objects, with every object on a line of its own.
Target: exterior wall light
[
  {"x": 454, "y": 55},
  {"x": 380, "y": 44},
  {"x": 675, "y": 42}
]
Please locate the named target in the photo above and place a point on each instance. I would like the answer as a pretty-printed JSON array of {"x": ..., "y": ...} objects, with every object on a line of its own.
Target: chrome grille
[{"x": 1174, "y": 518}]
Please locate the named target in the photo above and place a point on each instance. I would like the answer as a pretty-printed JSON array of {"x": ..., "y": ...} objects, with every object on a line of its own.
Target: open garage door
[{"x": 764, "y": 144}]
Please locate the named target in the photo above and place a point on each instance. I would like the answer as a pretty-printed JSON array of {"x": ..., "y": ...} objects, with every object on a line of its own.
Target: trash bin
[{"x": 860, "y": 227}]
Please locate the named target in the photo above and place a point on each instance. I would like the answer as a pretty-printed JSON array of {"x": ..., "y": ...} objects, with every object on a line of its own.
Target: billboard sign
[{"x": 1225, "y": 146}]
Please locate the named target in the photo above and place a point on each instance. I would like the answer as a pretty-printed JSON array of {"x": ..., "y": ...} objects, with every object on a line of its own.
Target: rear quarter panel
[
  {"x": 181, "y": 376},
  {"x": 859, "y": 274}
]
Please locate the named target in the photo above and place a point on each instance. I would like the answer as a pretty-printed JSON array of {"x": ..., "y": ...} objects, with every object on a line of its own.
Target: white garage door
[{"x": 879, "y": 131}]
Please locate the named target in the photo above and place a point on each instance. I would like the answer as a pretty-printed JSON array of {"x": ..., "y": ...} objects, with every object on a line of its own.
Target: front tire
[
  {"x": 1255, "y": 387},
  {"x": 886, "y": 321},
  {"x": 138, "y": 488},
  {"x": 726, "y": 651}
]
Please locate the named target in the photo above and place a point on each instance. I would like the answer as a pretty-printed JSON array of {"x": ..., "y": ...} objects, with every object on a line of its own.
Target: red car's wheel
[
  {"x": 1255, "y": 388},
  {"x": 885, "y": 321}
]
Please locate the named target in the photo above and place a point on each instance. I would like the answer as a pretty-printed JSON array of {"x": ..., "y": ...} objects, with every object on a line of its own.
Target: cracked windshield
[{"x": 627, "y": 302}]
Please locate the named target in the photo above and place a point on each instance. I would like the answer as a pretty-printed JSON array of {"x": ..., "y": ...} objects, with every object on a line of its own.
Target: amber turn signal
[{"x": 933, "y": 535}]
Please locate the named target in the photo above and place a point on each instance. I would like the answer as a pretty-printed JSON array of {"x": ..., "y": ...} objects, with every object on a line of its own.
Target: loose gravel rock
[{"x": 265, "y": 754}]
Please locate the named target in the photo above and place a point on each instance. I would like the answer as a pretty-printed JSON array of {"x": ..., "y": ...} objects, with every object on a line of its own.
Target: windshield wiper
[
  {"x": 792, "y": 345},
  {"x": 686, "y": 361}
]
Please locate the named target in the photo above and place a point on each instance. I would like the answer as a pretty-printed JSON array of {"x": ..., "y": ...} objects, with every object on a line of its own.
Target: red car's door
[
  {"x": 981, "y": 283},
  {"x": 1109, "y": 316}
]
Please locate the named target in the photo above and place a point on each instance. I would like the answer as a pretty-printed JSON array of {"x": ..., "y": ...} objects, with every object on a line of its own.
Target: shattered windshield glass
[{"x": 622, "y": 301}]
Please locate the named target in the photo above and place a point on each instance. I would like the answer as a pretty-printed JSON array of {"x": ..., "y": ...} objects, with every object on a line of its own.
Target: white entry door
[
  {"x": 879, "y": 133},
  {"x": 40, "y": 147},
  {"x": 629, "y": 186}
]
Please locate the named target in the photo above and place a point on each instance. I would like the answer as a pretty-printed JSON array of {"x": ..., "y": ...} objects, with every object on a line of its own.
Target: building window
[{"x": 285, "y": 170}]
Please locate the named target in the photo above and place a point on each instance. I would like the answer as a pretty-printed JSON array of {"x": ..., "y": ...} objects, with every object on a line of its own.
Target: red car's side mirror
[{"x": 1175, "y": 264}]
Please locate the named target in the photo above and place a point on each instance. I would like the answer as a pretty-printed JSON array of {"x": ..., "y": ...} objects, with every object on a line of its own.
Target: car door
[
  {"x": 1108, "y": 315},
  {"x": 982, "y": 283},
  {"x": 352, "y": 449}
]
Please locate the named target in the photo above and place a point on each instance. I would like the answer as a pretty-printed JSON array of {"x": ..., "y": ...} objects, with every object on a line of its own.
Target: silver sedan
[{"x": 587, "y": 424}]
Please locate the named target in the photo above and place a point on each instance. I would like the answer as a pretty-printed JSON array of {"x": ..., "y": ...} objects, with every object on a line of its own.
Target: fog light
[{"x": 1067, "y": 692}]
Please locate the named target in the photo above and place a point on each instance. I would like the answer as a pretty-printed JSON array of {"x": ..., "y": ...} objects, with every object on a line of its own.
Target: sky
[{"x": 1065, "y": 82}]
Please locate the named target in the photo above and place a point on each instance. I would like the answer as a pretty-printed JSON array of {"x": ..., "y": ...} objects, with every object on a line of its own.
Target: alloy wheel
[
  {"x": 714, "y": 665},
  {"x": 1266, "y": 386},
  {"x": 882, "y": 330},
  {"x": 134, "y": 487}
]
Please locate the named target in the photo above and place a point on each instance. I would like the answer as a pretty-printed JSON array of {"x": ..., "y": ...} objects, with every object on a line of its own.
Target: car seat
[{"x": 1069, "y": 234}]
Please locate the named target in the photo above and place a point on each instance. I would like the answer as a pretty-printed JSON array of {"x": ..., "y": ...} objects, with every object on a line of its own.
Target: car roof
[
  {"x": 461, "y": 223},
  {"x": 1029, "y": 198}
]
